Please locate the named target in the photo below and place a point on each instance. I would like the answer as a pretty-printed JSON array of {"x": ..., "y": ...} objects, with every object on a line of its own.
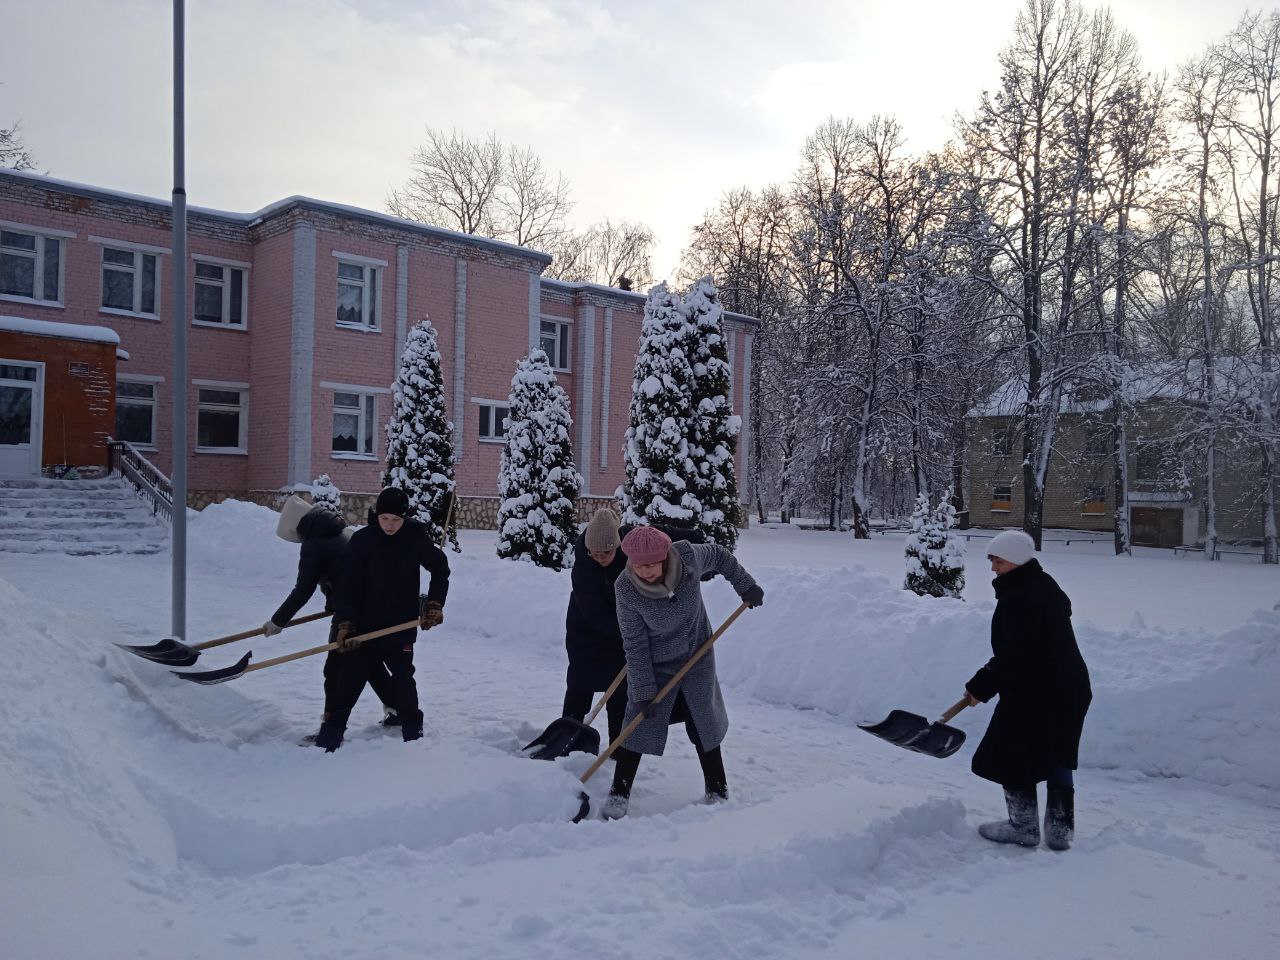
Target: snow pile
[{"x": 239, "y": 536}]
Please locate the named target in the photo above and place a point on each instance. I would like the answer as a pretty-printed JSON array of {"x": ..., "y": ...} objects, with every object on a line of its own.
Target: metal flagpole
[{"x": 179, "y": 328}]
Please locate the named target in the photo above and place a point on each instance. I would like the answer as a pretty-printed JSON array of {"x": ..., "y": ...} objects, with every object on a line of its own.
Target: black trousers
[
  {"x": 627, "y": 762},
  {"x": 578, "y": 701},
  {"x": 345, "y": 676}
]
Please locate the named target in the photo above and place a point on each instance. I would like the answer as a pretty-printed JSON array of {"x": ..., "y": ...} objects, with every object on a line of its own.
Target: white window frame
[
  {"x": 370, "y": 306},
  {"x": 243, "y": 408},
  {"x": 564, "y": 340},
  {"x": 139, "y": 250},
  {"x": 153, "y": 403},
  {"x": 225, "y": 283},
  {"x": 367, "y": 408},
  {"x": 493, "y": 406},
  {"x": 37, "y": 283}
]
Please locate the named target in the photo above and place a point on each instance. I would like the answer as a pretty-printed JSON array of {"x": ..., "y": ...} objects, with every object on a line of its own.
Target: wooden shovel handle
[
  {"x": 666, "y": 688},
  {"x": 607, "y": 694},
  {"x": 954, "y": 709},
  {"x": 331, "y": 646},
  {"x": 256, "y": 633}
]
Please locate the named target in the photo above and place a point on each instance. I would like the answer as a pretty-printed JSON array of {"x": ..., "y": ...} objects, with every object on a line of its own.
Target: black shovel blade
[
  {"x": 217, "y": 676},
  {"x": 170, "y": 652},
  {"x": 913, "y": 732},
  {"x": 561, "y": 738}
]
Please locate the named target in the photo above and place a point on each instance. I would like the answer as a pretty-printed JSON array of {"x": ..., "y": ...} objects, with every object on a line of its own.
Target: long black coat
[
  {"x": 319, "y": 560},
  {"x": 591, "y": 635},
  {"x": 379, "y": 582},
  {"x": 1040, "y": 677}
]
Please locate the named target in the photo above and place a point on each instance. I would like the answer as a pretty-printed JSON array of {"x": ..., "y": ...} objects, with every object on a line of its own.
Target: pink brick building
[{"x": 298, "y": 316}]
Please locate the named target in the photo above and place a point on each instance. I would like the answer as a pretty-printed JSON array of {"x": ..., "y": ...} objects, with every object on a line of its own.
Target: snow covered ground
[{"x": 141, "y": 816}]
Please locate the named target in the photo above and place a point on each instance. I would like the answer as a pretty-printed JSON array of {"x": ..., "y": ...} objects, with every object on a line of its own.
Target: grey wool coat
[{"x": 659, "y": 636}]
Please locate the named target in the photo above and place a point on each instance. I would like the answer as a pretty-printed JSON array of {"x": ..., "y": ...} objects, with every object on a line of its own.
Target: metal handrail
[{"x": 150, "y": 483}]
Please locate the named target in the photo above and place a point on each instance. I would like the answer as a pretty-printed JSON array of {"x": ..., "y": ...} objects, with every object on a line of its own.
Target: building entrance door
[
  {"x": 1156, "y": 527},
  {"x": 21, "y": 417}
]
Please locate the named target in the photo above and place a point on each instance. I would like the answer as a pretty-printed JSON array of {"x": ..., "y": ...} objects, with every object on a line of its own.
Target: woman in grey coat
[{"x": 663, "y": 621}]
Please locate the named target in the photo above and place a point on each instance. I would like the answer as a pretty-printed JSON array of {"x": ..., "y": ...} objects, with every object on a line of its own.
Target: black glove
[{"x": 753, "y": 596}]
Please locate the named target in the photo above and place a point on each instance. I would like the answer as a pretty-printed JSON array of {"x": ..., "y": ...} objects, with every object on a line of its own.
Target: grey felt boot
[
  {"x": 1023, "y": 825},
  {"x": 1059, "y": 818}
]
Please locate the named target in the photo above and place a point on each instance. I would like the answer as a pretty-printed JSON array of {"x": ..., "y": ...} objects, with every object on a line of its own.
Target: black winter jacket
[
  {"x": 319, "y": 560},
  {"x": 380, "y": 579},
  {"x": 591, "y": 635},
  {"x": 1040, "y": 677}
]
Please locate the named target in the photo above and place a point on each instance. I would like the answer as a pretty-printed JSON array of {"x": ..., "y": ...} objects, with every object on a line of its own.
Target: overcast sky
[{"x": 651, "y": 108}]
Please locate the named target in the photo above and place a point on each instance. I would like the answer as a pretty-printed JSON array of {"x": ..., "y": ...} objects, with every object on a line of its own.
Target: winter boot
[
  {"x": 713, "y": 778},
  {"x": 1059, "y": 818},
  {"x": 411, "y": 726},
  {"x": 389, "y": 717},
  {"x": 1023, "y": 825},
  {"x": 615, "y": 808},
  {"x": 329, "y": 737}
]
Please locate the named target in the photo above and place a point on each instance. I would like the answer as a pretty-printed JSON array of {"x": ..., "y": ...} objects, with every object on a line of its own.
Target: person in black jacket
[
  {"x": 591, "y": 635},
  {"x": 379, "y": 588},
  {"x": 323, "y": 536},
  {"x": 1044, "y": 691}
]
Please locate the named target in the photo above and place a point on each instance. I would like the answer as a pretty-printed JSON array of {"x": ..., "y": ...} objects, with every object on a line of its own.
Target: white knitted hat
[{"x": 1012, "y": 545}]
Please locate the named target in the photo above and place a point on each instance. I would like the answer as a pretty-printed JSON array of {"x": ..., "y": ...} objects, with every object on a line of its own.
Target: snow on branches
[
  {"x": 538, "y": 482},
  {"x": 935, "y": 555},
  {"x": 420, "y": 435},
  {"x": 325, "y": 493}
]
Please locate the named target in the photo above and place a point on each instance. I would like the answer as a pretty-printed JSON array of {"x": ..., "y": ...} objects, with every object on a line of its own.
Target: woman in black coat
[{"x": 1043, "y": 685}]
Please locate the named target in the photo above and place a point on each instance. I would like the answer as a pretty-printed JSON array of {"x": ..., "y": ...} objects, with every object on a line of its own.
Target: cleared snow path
[{"x": 141, "y": 816}]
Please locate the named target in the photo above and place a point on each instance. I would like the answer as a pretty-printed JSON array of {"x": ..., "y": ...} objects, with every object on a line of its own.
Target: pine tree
[
  {"x": 325, "y": 493},
  {"x": 538, "y": 482},
  {"x": 657, "y": 453},
  {"x": 935, "y": 556},
  {"x": 420, "y": 435},
  {"x": 715, "y": 428}
]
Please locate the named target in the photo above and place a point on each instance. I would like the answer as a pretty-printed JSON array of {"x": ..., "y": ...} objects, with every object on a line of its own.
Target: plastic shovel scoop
[
  {"x": 569, "y": 735},
  {"x": 914, "y": 732}
]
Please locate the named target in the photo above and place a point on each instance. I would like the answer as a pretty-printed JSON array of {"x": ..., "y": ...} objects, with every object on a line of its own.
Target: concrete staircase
[{"x": 77, "y": 517}]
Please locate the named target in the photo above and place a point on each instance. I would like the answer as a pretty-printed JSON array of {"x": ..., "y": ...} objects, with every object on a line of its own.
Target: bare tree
[
  {"x": 532, "y": 205},
  {"x": 607, "y": 253},
  {"x": 455, "y": 182}
]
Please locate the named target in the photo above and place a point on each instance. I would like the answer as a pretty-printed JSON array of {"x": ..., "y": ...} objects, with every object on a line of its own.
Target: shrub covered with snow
[
  {"x": 325, "y": 493},
  {"x": 935, "y": 556},
  {"x": 714, "y": 429},
  {"x": 420, "y": 436},
  {"x": 538, "y": 482},
  {"x": 657, "y": 451}
]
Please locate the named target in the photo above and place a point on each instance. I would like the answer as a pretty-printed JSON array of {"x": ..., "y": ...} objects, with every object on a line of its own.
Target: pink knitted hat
[{"x": 644, "y": 545}]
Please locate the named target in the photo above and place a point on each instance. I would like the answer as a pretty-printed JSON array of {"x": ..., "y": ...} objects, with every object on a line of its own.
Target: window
[
  {"x": 358, "y": 295},
  {"x": 129, "y": 281},
  {"x": 1002, "y": 440},
  {"x": 1095, "y": 501},
  {"x": 221, "y": 294},
  {"x": 1001, "y": 498},
  {"x": 221, "y": 418},
  {"x": 493, "y": 420},
  {"x": 30, "y": 266},
  {"x": 554, "y": 341},
  {"x": 354, "y": 416},
  {"x": 136, "y": 412}
]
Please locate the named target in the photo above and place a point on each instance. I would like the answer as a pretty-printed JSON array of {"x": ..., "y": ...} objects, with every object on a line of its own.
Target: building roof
[
  {"x": 634, "y": 296},
  {"x": 65, "y": 331}
]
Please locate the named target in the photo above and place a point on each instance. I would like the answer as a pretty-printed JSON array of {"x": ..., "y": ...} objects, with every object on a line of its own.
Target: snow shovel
[
  {"x": 242, "y": 667},
  {"x": 914, "y": 732},
  {"x": 569, "y": 735},
  {"x": 175, "y": 653},
  {"x": 667, "y": 687}
]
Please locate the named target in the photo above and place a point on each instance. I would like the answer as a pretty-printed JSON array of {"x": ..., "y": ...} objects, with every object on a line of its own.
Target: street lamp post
[{"x": 179, "y": 600}]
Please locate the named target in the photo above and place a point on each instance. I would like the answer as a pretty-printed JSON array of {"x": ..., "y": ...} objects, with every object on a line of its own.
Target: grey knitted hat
[{"x": 602, "y": 531}]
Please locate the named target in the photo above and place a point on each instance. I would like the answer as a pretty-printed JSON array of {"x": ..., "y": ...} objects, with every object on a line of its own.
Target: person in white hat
[
  {"x": 323, "y": 537},
  {"x": 1043, "y": 684}
]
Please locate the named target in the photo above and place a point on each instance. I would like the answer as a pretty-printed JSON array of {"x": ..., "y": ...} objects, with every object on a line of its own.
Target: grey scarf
[{"x": 666, "y": 587}]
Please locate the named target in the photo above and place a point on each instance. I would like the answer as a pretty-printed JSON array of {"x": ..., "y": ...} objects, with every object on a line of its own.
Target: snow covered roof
[
  {"x": 634, "y": 296},
  {"x": 66, "y": 331},
  {"x": 281, "y": 206}
]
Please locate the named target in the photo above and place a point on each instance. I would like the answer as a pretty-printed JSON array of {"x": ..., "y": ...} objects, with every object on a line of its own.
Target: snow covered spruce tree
[
  {"x": 420, "y": 435},
  {"x": 661, "y": 476},
  {"x": 714, "y": 429},
  {"x": 538, "y": 482},
  {"x": 935, "y": 556},
  {"x": 325, "y": 493}
]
